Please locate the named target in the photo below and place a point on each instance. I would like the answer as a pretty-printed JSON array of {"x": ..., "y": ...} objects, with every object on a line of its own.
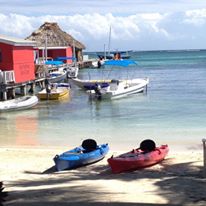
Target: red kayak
[{"x": 137, "y": 159}]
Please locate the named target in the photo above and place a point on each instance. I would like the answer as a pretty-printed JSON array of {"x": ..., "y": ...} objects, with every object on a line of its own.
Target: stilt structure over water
[
  {"x": 16, "y": 65},
  {"x": 21, "y": 61},
  {"x": 52, "y": 42}
]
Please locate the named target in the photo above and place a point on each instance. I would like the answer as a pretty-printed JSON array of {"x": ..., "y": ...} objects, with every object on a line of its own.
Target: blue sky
[{"x": 136, "y": 24}]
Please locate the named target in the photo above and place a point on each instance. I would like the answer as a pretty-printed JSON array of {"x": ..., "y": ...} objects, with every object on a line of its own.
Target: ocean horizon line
[{"x": 161, "y": 50}]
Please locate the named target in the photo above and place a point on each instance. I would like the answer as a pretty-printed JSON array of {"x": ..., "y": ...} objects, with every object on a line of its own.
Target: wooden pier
[
  {"x": 8, "y": 91},
  {"x": 85, "y": 64}
]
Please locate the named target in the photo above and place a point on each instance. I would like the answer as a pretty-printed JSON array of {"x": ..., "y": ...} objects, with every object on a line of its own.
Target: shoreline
[
  {"x": 30, "y": 179},
  {"x": 172, "y": 149}
]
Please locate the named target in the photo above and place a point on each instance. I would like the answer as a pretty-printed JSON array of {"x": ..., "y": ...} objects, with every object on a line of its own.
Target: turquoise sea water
[{"x": 173, "y": 111}]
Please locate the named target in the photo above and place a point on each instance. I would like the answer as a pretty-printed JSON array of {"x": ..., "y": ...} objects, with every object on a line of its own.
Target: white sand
[{"x": 29, "y": 177}]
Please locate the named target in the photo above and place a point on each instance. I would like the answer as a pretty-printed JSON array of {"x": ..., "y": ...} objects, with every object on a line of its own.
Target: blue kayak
[{"x": 78, "y": 157}]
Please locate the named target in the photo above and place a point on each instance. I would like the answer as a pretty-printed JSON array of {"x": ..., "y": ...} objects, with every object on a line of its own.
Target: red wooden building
[
  {"x": 16, "y": 60},
  {"x": 54, "y": 52}
]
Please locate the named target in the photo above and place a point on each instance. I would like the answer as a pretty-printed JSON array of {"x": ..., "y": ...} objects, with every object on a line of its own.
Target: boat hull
[
  {"x": 124, "y": 88},
  {"x": 57, "y": 76},
  {"x": 21, "y": 103},
  {"x": 136, "y": 159},
  {"x": 76, "y": 157},
  {"x": 86, "y": 84},
  {"x": 55, "y": 94},
  {"x": 72, "y": 71}
]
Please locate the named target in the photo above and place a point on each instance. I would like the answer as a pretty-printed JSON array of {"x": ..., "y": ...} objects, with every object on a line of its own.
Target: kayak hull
[
  {"x": 137, "y": 159},
  {"x": 77, "y": 157}
]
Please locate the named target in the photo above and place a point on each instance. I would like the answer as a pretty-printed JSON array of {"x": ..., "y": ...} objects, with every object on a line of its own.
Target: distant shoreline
[{"x": 163, "y": 50}]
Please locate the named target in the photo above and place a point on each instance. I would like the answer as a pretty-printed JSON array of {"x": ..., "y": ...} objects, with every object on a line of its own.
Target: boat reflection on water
[
  {"x": 19, "y": 128},
  {"x": 26, "y": 130}
]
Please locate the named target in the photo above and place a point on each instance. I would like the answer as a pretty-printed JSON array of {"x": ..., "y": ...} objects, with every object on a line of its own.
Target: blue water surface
[{"x": 171, "y": 112}]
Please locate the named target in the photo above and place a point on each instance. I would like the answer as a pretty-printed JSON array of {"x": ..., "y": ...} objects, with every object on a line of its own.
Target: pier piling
[{"x": 204, "y": 157}]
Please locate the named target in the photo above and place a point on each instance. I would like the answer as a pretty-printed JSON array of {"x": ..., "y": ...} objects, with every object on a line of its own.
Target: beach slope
[{"x": 30, "y": 179}]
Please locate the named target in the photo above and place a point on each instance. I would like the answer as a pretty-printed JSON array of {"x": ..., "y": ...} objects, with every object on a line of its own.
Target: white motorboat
[
  {"x": 57, "y": 76},
  {"x": 72, "y": 71},
  {"x": 113, "y": 88},
  {"x": 91, "y": 84},
  {"x": 98, "y": 63},
  {"x": 121, "y": 88},
  {"x": 24, "y": 102}
]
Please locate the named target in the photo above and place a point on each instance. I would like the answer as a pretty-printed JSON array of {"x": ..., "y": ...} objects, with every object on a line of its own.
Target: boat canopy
[
  {"x": 65, "y": 58},
  {"x": 120, "y": 62},
  {"x": 52, "y": 62}
]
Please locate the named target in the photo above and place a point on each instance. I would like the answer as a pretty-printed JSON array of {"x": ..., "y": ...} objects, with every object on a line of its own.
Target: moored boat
[
  {"x": 87, "y": 84},
  {"x": 20, "y": 103},
  {"x": 72, "y": 71},
  {"x": 137, "y": 159},
  {"x": 121, "y": 88},
  {"x": 56, "y": 92},
  {"x": 80, "y": 156},
  {"x": 57, "y": 76},
  {"x": 114, "y": 88}
]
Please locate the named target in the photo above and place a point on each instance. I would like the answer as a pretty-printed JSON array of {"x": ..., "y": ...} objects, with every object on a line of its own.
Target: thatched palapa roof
[{"x": 55, "y": 37}]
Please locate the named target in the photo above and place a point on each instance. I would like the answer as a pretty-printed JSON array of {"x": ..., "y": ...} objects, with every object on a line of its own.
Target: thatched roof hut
[{"x": 55, "y": 38}]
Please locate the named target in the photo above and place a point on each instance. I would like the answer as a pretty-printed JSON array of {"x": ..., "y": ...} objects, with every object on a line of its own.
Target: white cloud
[
  {"x": 137, "y": 31},
  {"x": 196, "y": 17},
  {"x": 117, "y": 7},
  {"x": 14, "y": 24}
]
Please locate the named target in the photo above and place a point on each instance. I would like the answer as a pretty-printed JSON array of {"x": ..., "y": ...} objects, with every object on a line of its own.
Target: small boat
[
  {"x": 114, "y": 54},
  {"x": 72, "y": 71},
  {"x": 118, "y": 55},
  {"x": 79, "y": 156},
  {"x": 120, "y": 88},
  {"x": 19, "y": 103},
  {"x": 72, "y": 68},
  {"x": 98, "y": 63},
  {"x": 57, "y": 76},
  {"x": 57, "y": 91},
  {"x": 87, "y": 84},
  {"x": 62, "y": 84},
  {"x": 137, "y": 159}
]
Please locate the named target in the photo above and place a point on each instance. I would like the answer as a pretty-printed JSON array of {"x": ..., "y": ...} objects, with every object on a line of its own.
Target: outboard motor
[
  {"x": 98, "y": 91},
  {"x": 99, "y": 64}
]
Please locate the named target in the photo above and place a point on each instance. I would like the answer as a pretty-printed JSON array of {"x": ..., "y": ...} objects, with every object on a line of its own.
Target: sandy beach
[{"x": 30, "y": 179}]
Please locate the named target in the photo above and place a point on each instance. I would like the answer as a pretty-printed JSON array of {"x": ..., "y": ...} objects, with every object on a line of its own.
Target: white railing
[{"x": 7, "y": 77}]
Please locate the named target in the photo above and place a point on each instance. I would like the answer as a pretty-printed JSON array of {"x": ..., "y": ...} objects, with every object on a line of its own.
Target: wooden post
[
  {"x": 23, "y": 90},
  {"x": 5, "y": 95},
  {"x": 32, "y": 88},
  {"x": 3, "y": 89},
  {"x": 43, "y": 84},
  {"x": 204, "y": 157},
  {"x": 13, "y": 93}
]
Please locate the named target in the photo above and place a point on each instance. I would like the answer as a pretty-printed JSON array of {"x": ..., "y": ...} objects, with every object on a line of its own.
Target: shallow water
[{"x": 171, "y": 112}]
